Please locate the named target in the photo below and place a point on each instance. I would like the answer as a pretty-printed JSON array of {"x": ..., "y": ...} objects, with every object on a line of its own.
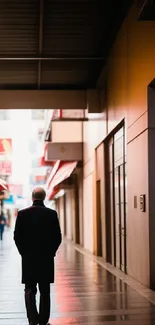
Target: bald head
[{"x": 38, "y": 194}]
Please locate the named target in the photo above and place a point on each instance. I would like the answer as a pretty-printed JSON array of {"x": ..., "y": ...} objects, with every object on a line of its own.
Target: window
[
  {"x": 38, "y": 114},
  {"x": 4, "y": 114}
]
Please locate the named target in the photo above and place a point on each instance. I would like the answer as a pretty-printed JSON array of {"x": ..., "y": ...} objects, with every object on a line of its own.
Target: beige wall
[
  {"x": 61, "y": 213},
  {"x": 80, "y": 203},
  {"x": 137, "y": 221},
  {"x": 74, "y": 210},
  {"x": 88, "y": 212},
  {"x": 69, "y": 215},
  {"x": 100, "y": 176},
  {"x": 130, "y": 68},
  {"x": 92, "y": 136},
  {"x": 70, "y": 131}
]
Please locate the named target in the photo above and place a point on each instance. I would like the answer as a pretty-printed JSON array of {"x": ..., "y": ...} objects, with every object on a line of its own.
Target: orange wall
[{"x": 130, "y": 68}]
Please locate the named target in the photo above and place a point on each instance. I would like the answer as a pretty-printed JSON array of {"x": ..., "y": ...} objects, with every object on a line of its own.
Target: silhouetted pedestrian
[{"x": 37, "y": 236}]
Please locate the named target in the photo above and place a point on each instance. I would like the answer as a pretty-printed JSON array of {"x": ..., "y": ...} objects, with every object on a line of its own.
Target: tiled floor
[{"x": 84, "y": 293}]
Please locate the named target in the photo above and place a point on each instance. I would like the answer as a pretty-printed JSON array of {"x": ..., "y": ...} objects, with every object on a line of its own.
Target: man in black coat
[{"x": 37, "y": 236}]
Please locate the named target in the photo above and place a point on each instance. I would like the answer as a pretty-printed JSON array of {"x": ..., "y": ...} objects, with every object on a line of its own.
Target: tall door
[
  {"x": 116, "y": 200},
  {"x": 76, "y": 204},
  {"x": 65, "y": 225},
  {"x": 99, "y": 221},
  {"x": 120, "y": 217}
]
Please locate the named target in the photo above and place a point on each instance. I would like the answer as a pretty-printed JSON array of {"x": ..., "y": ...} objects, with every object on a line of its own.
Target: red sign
[
  {"x": 16, "y": 189},
  {"x": 5, "y": 167},
  {"x": 5, "y": 146},
  {"x": 57, "y": 114}
]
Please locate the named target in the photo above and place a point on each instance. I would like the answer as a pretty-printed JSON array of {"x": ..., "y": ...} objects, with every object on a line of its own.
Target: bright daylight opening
[{"x": 21, "y": 148}]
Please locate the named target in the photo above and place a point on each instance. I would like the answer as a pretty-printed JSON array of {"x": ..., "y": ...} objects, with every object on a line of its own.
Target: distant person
[
  {"x": 37, "y": 236},
  {"x": 8, "y": 218},
  {"x": 2, "y": 225}
]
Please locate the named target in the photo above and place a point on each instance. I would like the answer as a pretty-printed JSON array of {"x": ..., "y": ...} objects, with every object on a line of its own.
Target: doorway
[
  {"x": 99, "y": 220},
  {"x": 76, "y": 200},
  {"x": 65, "y": 221},
  {"x": 116, "y": 200}
]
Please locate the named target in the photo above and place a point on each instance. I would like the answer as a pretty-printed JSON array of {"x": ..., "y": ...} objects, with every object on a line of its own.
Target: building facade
[{"x": 116, "y": 184}]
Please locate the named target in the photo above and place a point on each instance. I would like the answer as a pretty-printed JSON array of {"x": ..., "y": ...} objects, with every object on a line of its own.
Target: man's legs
[
  {"x": 1, "y": 233},
  {"x": 30, "y": 302},
  {"x": 44, "y": 306}
]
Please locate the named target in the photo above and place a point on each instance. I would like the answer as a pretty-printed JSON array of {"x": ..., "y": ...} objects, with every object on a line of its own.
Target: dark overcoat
[{"x": 37, "y": 236}]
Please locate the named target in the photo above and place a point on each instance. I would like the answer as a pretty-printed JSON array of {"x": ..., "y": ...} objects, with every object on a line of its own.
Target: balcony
[
  {"x": 66, "y": 131},
  {"x": 65, "y": 135}
]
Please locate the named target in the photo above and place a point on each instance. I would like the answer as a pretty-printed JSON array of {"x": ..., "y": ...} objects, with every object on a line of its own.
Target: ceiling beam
[
  {"x": 40, "y": 40},
  {"x": 51, "y": 58},
  {"x": 42, "y": 99},
  {"x": 51, "y": 99}
]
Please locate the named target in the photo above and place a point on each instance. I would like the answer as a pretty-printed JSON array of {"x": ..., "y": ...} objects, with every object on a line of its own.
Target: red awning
[
  {"x": 61, "y": 171},
  {"x": 53, "y": 193},
  {"x": 3, "y": 185},
  {"x": 56, "y": 166},
  {"x": 44, "y": 163}
]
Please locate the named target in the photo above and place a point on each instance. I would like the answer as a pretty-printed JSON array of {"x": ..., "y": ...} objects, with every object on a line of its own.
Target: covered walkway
[{"x": 84, "y": 293}]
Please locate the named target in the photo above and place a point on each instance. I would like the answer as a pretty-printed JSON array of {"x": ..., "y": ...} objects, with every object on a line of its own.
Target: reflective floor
[{"x": 84, "y": 292}]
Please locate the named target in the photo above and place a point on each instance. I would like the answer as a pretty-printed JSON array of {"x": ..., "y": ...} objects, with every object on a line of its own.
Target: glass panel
[
  {"x": 125, "y": 183},
  {"x": 119, "y": 134},
  {"x": 116, "y": 187},
  {"x": 119, "y": 162},
  {"x": 118, "y": 250},
  {"x": 117, "y": 219},
  {"x": 120, "y": 197},
  {"x": 118, "y": 150},
  {"x": 125, "y": 147},
  {"x": 111, "y": 193},
  {"x": 111, "y": 157},
  {"x": 117, "y": 215},
  {"x": 121, "y": 184},
  {"x": 122, "y": 217},
  {"x": 122, "y": 254}
]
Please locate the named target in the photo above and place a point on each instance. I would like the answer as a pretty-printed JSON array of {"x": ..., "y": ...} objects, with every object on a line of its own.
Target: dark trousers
[
  {"x": 35, "y": 317},
  {"x": 1, "y": 231}
]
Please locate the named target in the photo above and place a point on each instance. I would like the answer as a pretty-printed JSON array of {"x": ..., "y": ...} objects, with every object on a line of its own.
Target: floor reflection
[{"x": 84, "y": 292}]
